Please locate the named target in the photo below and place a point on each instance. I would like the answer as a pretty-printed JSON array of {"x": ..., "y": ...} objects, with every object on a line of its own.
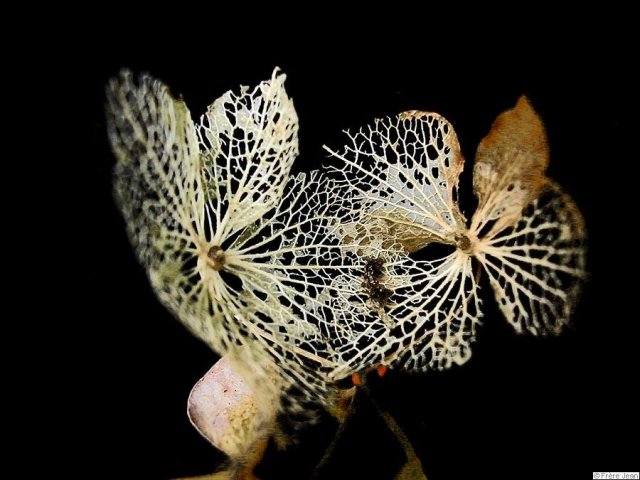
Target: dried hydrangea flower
[
  {"x": 311, "y": 275},
  {"x": 526, "y": 234},
  {"x": 241, "y": 252}
]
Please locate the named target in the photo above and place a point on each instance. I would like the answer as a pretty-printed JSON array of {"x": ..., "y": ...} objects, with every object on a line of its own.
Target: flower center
[
  {"x": 216, "y": 257},
  {"x": 464, "y": 243}
]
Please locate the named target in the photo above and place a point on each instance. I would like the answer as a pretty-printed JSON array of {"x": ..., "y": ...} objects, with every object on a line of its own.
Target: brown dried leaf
[{"x": 509, "y": 169}]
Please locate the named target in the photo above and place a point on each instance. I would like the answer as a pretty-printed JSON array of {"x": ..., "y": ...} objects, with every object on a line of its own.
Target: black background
[{"x": 521, "y": 405}]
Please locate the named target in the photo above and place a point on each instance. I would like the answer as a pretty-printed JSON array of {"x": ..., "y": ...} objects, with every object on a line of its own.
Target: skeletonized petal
[
  {"x": 429, "y": 321},
  {"x": 158, "y": 186},
  {"x": 289, "y": 265},
  {"x": 249, "y": 142},
  {"x": 444, "y": 317},
  {"x": 537, "y": 266},
  {"x": 406, "y": 169},
  {"x": 157, "y": 174},
  {"x": 509, "y": 169}
]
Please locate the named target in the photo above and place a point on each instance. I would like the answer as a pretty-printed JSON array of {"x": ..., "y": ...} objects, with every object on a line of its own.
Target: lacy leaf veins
[
  {"x": 238, "y": 250},
  {"x": 307, "y": 278},
  {"x": 526, "y": 234}
]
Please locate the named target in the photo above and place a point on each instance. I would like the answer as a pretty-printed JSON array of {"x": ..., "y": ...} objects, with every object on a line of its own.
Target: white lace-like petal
[
  {"x": 406, "y": 169},
  {"x": 537, "y": 266},
  {"x": 240, "y": 252}
]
